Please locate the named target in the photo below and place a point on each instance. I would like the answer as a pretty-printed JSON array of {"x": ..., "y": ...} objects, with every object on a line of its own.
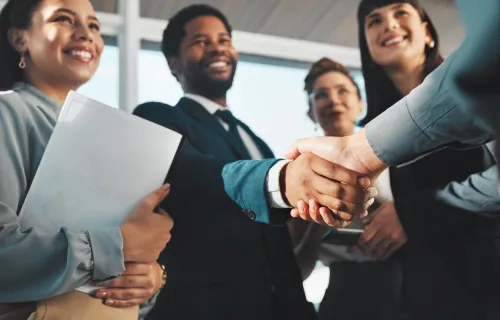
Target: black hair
[
  {"x": 15, "y": 14},
  {"x": 174, "y": 32},
  {"x": 381, "y": 93}
]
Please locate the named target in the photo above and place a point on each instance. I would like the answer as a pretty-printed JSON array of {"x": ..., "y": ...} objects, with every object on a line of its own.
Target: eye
[
  {"x": 400, "y": 13},
  {"x": 374, "y": 21},
  {"x": 94, "y": 26},
  {"x": 200, "y": 42},
  {"x": 343, "y": 91},
  {"x": 64, "y": 19},
  {"x": 225, "y": 41},
  {"x": 319, "y": 95}
]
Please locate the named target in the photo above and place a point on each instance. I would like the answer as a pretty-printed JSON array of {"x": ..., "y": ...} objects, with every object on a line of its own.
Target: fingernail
[
  {"x": 101, "y": 294},
  {"x": 370, "y": 202},
  {"x": 166, "y": 186},
  {"x": 110, "y": 302},
  {"x": 363, "y": 182},
  {"x": 373, "y": 192}
]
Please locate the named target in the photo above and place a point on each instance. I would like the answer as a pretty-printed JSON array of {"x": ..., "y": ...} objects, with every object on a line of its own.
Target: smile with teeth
[
  {"x": 394, "y": 40},
  {"x": 218, "y": 65},
  {"x": 81, "y": 55}
]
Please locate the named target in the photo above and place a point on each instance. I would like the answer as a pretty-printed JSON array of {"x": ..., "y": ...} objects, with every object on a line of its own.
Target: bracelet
[{"x": 163, "y": 276}]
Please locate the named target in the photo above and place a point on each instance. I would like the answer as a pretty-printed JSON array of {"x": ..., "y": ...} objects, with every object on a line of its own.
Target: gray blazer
[{"x": 36, "y": 265}]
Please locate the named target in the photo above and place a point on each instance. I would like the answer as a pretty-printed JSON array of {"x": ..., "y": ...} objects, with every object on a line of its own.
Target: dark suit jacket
[
  {"x": 220, "y": 263},
  {"x": 450, "y": 264}
]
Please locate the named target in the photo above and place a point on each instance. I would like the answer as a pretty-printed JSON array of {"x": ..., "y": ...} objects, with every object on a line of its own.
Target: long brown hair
[{"x": 381, "y": 93}]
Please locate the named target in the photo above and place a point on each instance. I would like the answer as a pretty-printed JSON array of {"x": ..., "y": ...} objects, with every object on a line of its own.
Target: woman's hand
[
  {"x": 136, "y": 285},
  {"x": 384, "y": 233}
]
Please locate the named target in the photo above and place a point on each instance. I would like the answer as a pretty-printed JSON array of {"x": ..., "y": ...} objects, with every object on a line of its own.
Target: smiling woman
[{"x": 48, "y": 47}]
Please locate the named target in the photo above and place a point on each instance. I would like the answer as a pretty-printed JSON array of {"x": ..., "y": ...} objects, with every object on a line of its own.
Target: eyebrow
[
  {"x": 202, "y": 35},
  {"x": 345, "y": 86},
  {"x": 71, "y": 12},
  {"x": 376, "y": 14}
]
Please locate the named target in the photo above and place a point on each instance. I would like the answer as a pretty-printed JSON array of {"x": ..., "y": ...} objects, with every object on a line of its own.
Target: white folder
[{"x": 99, "y": 163}]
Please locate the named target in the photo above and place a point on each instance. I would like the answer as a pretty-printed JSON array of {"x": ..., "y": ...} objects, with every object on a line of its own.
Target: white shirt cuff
[{"x": 274, "y": 197}]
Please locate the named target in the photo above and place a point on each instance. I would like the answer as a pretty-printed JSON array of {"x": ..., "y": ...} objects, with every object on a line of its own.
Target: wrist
[
  {"x": 282, "y": 182},
  {"x": 361, "y": 150},
  {"x": 163, "y": 276}
]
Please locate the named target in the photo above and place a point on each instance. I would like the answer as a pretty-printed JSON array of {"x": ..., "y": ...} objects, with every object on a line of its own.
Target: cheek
[{"x": 373, "y": 47}]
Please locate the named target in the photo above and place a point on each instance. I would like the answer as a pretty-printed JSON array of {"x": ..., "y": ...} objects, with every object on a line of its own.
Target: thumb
[
  {"x": 157, "y": 196},
  {"x": 320, "y": 146},
  {"x": 297, "y": 148}
]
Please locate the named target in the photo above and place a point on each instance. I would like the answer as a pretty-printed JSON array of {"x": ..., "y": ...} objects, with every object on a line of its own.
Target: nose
[
  {"x": 83, "y": 33},
  {"x": 334, "y": 98},
  {"x": 215, "y": 48},
  {"x": 391, "y": 23}
]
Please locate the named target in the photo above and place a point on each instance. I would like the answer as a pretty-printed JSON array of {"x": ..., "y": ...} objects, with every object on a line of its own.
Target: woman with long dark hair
[
  {"x": 399, "y": 48},
  {"x": 47, "y": 48},
  {"x": 447, "y": 265}
]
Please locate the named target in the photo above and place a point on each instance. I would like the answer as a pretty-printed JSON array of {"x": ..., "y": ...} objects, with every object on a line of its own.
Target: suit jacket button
[{"x": 250, "y": 214}]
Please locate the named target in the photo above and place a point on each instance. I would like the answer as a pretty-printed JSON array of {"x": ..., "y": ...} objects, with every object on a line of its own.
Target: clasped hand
[{"x": 136, "y": 285}]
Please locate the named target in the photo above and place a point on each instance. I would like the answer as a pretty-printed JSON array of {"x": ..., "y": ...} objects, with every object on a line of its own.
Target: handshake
[{"x": 331, "y": 179}]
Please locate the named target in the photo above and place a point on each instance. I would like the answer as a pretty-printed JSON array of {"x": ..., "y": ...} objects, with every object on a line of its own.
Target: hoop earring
[
  {"x": 22, "y": 61},
  {"x": 432, "y": 44}
]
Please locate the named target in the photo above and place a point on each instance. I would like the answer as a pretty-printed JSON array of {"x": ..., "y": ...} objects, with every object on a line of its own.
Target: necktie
[{"x": 230, "y": 120}]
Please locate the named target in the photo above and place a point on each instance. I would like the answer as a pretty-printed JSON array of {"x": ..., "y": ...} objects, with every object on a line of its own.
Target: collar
[{"x": 208, "y": 104}]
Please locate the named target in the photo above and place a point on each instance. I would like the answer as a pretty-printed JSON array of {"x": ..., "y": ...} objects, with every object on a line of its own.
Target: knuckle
[{"x": 147, "y": 204}]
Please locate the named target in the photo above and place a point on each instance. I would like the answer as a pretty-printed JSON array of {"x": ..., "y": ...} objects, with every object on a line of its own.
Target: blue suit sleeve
[{"x": 237, "y": 187}]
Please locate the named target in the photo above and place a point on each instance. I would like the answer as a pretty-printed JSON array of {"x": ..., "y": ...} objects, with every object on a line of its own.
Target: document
[{"x": 100, "y": 162}]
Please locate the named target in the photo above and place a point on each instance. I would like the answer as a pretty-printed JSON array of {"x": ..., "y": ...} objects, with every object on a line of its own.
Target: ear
[
  {"x": 428, "y": 35},
  {"x": 361, "y": 108},
  {"x": 174, "y": 64},
  {"x": 17, "y": 39},
  {"x": 311, "y": 115}
]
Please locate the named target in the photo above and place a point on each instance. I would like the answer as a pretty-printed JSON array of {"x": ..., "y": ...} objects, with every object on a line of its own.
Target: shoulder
[
  {"x": 162, "y": 114},
  {"x": 13, "y": 107},
  {"x": 153, "y": 108}
]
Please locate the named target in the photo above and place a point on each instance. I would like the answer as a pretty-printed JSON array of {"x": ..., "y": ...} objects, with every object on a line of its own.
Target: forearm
[
  {"x": 459, "y": 206},
  {"x": 38, "y": 265},
  {"x": 428, "y": 119}
]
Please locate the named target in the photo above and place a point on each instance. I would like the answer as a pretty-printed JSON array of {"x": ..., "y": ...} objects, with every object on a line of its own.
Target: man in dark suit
[{"x": 221, "y": 264}]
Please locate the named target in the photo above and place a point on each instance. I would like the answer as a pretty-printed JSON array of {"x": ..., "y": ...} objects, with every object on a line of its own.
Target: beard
[{"x": 203, "y": 84}]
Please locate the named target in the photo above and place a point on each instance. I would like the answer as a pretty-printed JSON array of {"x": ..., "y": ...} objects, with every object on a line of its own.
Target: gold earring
[
  {"x": 432, "y": 44},
  {"x": 22, "y": 61}
]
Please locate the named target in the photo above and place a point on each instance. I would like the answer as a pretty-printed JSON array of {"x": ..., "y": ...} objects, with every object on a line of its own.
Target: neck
[
  {"x": 57, "y": 92},
  {"x": 222, "y": 101},
  {"x": 406, "y": 77},
  {"x": 339, "y": 133}
]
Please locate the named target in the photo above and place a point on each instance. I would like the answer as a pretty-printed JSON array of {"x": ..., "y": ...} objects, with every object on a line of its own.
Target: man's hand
[
  {"x": 352, "y": 152},
  {"x": 384, "y": 234},
  {"x": 347, "y": 193}
]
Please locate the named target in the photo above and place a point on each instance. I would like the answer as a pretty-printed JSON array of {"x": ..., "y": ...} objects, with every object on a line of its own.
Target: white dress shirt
[{"x": 273, "y": 186}]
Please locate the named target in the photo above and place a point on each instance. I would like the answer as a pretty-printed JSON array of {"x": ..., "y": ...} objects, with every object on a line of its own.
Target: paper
[{"x": 99, "y": 163}]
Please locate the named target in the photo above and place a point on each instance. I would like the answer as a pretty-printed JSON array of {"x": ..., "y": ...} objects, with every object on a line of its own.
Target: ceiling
[{"x": 326, "y": 21}]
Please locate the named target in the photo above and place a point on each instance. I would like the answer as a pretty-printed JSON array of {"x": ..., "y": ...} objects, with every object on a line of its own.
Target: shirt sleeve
[
  {"x": 455, "y": 208},
  {"x": 429, "y": 118},
  {"x": 35, "y": 264},
  {"x": 274, "y": 195}
]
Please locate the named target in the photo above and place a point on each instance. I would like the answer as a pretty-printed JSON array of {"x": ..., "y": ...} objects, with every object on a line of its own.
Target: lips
[
  {"x": 217, "y": 65},
  {"x": 81, "y": 54},
  {"x": 393, "y": 40}
]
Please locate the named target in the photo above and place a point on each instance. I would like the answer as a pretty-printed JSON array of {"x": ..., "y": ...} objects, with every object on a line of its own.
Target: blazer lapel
[{"x": 195, "y": 110}]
